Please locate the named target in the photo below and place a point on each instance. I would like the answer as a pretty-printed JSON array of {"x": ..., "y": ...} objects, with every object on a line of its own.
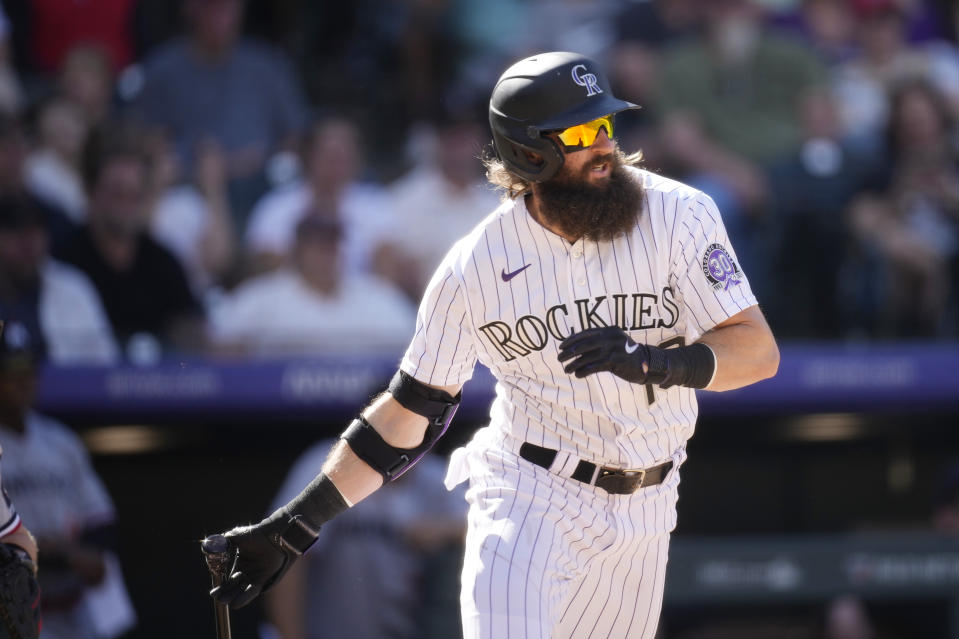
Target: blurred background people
[
  {"x": 332, "y": 180},
  {"x": 143, "y": 287},
  {"x": 52, "y": 167},
  {"x": 439, "y": 201},
  {"x": 14, "y": 148},
  {"x": 810, "y": 189},
  {"x": 214, "y": 83},
  {"x": 53, "y": 302},
  {"x": 190, "y": 215},
  {"x": 885, "y": 58},
  {"x": 339, "y": 592},
  {"x": 388, "y": 63},
  {"x": 824, "y": 129},
  {"x": 906, "y": 226},
  {"x": 315, "y": 305},
  {"x": 727, "y": 99},
  {"x": 86, "y": 78},
  {"x": 48, "y": 474},
  {"x": 740, "y": 80}
]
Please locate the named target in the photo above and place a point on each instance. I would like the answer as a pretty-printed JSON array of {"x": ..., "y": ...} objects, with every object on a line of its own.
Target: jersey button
[
  {"x": 577, "y": 253},
  {"x": 581, "y": 282}
]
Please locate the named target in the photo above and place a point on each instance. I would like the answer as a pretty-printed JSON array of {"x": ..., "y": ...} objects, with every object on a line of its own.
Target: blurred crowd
[{"x": 253, "y": 178}]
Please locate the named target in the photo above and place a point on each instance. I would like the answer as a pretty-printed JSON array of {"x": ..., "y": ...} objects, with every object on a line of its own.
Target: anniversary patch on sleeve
[{"x": 719, "y": 267}]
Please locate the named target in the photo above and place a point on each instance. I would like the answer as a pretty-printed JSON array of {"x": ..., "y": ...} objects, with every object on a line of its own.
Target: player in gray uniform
[{"x": 600, "y": 296}]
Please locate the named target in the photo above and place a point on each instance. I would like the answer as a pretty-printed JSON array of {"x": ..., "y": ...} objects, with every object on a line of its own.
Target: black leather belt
[{"x": 616, "y": 481}]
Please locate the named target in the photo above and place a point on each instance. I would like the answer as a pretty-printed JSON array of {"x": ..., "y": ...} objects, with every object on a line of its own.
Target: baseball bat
[{"x": 216, "y": 549}]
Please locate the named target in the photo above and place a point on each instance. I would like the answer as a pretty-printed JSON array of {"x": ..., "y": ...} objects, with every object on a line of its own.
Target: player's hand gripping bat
[{"x": 218, "y": 552}]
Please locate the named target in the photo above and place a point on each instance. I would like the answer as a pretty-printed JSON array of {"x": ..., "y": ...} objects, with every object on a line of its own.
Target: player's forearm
[
  {"x": 398, "y": 427},
  {"x": 353, "y": 477},
  {"x": 745, "y": 350}
]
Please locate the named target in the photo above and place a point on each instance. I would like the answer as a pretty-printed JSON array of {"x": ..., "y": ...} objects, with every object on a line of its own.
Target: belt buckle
[
  {"x": 621, "y": 481},
  {"x": 636, "y": 472}
]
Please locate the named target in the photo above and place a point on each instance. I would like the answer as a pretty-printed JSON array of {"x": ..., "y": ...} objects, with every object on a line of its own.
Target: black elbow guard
[{"x": 437, "y": 406}]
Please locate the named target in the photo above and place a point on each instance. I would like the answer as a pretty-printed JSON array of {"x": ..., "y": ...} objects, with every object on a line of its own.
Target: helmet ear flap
[{"x": 513, "y": 153}]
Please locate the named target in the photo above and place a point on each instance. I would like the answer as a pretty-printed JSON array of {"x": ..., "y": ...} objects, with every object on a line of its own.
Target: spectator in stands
[
  {"x": 643, "y": 32},
  {"x": 314, "y": 306},
  {"x": 48, "y": 474},
  {"x": 87, "y": 80},
  {"x": 412, "y": 520},
  {"x": 658, "y": 23},
  {"x": 399, "y": 57},
  {"x": 52, "y": 168},
  {"x": 740, "y": 81},
  {"x": 143, "y": 287},
  {"x": 810, "y": 191},
  {"x": 13, "y": 153},
  {"x": 907, "y": 226},
  {"x": 333, "y": 165},
  {"x": 213, "y": 83},
  {"x": 191, "y": 214},
  {"x": 445, "y": 193},
  {"x": 886, "y": 59},
  {"x": 827, "y": 27},
  {"x": 54, "y": 302},
  {"x": 729, "y": 101}
]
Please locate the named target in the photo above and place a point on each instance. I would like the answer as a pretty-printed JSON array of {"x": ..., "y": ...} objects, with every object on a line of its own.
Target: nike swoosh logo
[
  {"x": 633, "y": 349},
  {"x": 508, "y": 276}
]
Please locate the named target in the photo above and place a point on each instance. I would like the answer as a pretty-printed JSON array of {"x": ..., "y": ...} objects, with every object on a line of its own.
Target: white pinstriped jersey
[
  {"x": 9, "y": 520},
  {"x": 509, "y": 292}
]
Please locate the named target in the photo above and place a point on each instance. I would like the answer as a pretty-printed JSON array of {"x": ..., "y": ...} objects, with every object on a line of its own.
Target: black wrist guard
[
  {"x": 318, "y": 503},
  {"x": 691, "y": 366}
]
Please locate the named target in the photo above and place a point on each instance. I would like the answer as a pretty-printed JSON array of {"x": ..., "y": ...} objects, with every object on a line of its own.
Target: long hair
[{"x": 512, "y": 186}]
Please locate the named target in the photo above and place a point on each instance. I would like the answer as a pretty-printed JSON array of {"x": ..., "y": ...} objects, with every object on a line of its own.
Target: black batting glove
[
  {"x": 261, "y": 560},
  {"x": 265, "y": 551},
  {"x": 610, "y": 349}
]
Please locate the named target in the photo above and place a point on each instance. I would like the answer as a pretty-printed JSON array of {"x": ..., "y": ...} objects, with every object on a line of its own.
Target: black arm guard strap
[{"x": 437, "y": 406}]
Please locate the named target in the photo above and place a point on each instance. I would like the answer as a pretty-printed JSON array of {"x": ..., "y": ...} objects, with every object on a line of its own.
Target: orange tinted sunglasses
[{"x": 583, "y": 135}]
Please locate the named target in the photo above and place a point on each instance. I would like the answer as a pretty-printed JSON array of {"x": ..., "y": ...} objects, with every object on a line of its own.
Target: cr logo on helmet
[{"x": 587, "y": 80}]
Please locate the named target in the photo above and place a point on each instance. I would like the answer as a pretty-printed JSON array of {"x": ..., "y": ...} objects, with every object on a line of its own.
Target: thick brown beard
[{"x": 597, "y": 212}]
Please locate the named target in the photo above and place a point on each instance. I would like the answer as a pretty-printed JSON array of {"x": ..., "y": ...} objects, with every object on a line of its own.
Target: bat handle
[{"x": 218, "y": 551}]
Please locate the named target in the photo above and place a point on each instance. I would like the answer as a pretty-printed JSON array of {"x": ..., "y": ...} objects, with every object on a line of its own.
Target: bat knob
[{"x": 215, "y": 545}]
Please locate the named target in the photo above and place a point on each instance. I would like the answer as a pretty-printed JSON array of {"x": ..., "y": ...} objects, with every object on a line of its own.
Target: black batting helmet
[{"x": 542, "y": 93}]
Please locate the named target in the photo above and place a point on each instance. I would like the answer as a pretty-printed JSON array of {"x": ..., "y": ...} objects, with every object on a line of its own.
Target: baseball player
[
  {"x": 19, "y": 591},
  {"x": 12, "y": 530},
  {"x": 601, "y": 296}
]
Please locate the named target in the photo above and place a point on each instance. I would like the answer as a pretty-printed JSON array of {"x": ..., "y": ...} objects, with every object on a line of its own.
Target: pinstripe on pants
[{"x": 550, "y": 558}]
